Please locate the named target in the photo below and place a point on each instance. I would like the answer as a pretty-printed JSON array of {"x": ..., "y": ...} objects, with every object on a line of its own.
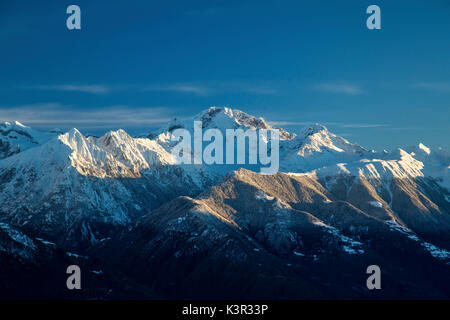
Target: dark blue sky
[{"x": 135, "y": 64}]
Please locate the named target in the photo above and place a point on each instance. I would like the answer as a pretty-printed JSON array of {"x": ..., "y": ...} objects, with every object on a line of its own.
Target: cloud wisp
[
  {"x": 348, "y": 89},
  {"x": 94, "y": 89},
  {"x": 180, "y": 88},
  {"x": 214, "y": 88},
  {"x": 55, "y": 114},
  {"x": 434, "y": 86},
  {"x": 197, "y": 89}
]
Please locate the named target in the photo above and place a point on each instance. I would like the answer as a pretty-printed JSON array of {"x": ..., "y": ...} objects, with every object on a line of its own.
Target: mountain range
[{"x": 142, "y": 225}]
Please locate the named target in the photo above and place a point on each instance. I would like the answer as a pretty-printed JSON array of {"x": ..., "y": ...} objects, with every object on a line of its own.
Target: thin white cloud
[
  {"x": 94, "y": 89},
  {"x": 215, "y": 88},
  {"x": 253, "y": 89},
  {"x": 183, "y": 88},
  {"x": 180, "y": 88},
  {"x": 54, "y": 114},
  {"x": 348, "y": 89},
  {"x": 434, "y": 86}
]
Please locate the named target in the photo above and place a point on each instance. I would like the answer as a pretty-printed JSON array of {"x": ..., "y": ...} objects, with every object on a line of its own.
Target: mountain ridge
[{"x": 168, "y": 226}]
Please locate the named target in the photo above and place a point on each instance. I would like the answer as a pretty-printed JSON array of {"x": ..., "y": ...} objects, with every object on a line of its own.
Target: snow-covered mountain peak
[
  {"x": 221, "y": 118},
  {"x": 115, "y": 154},
  {"x": 424, "y": 148},
  {"x": 14, "y": 124},
  {"x": 436, "y": 162},
  {"x": 16, "y": 137},
  {"x": 116, "y": 138},
  {"x": 74, "y": 139},
  {"x": 19, "y": 124},
  {"x": 405, "y": 167},
  {"x": 74, "y": 133},
  {"x": 316, "y": 147},
  {"x": 317, "y": 138},
  {"x": 245, "y": 119},
  {"x": 81, "y": 182},
  {"x": 420, "y": 150},
  {"x": 120, "y": 133},
  {"x": 316, "y": 128}
]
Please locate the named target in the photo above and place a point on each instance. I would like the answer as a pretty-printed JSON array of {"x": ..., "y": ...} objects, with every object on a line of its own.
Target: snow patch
[
  {"x": 264, "y": 197},
  {"x": 75, "y": 255},
  {"x": 48, "y": 243},
  {"x": 377, "y": 204},
  {"x": 97, "y": 271},
  {"x": 432, "y": 249},
  {"x": 349, "y": 245},
  {"x": 17, "y": 236}
]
